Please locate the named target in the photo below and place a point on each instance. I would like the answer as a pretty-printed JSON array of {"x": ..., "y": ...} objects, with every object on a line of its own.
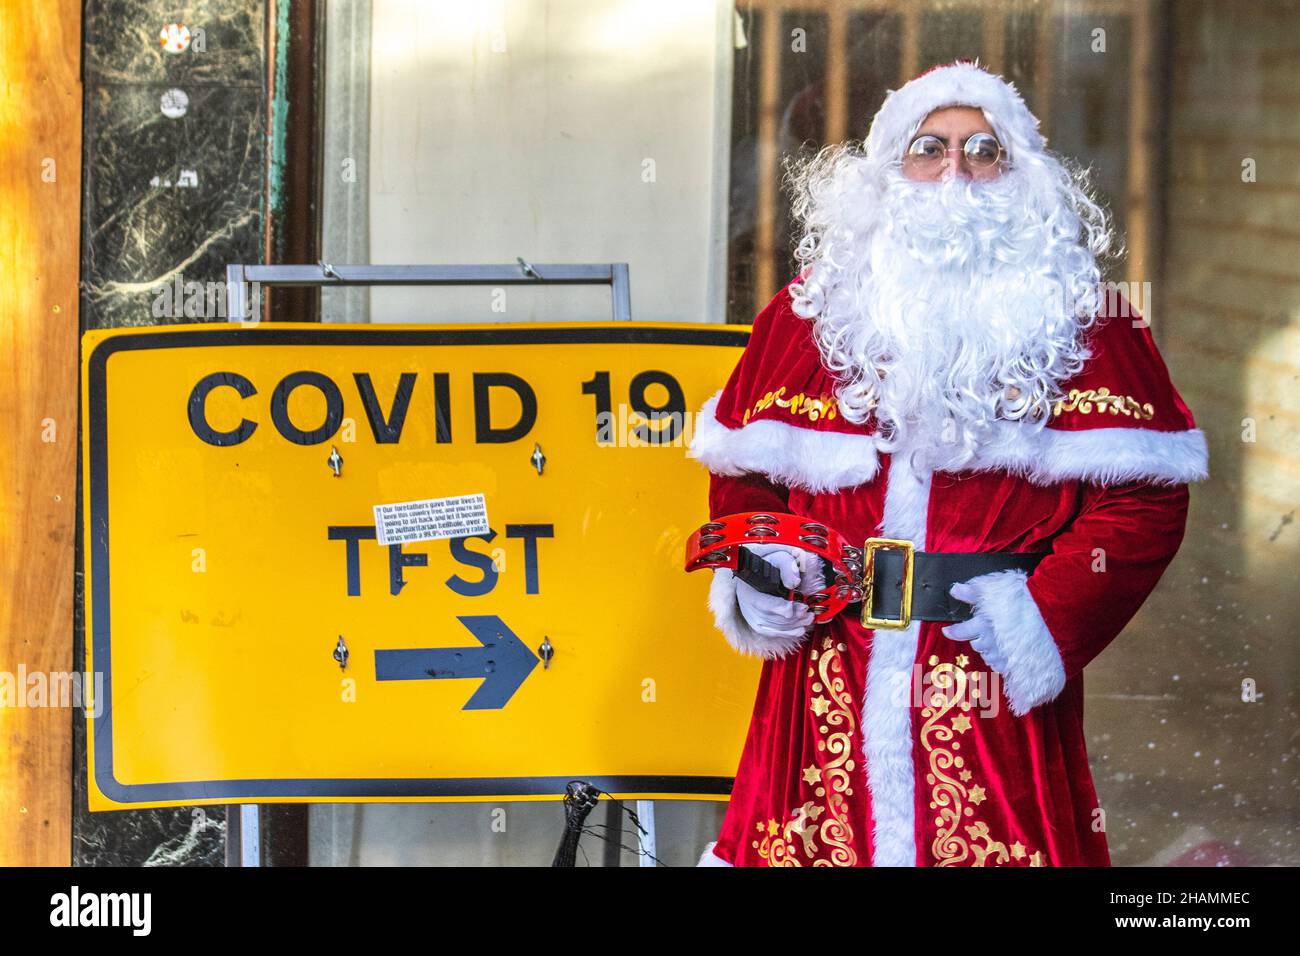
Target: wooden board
[{"x": 40, "y": 178}]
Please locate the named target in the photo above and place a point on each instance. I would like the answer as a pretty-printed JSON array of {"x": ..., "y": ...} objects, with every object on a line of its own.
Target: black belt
[{"x": 933, "y": 573}]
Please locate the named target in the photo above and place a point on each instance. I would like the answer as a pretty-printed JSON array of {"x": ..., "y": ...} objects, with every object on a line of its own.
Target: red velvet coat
[{"x": 903, "y": 747}]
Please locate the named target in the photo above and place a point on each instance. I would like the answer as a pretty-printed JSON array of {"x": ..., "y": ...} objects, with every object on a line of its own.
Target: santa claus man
[{"x": 948, "y": 370}]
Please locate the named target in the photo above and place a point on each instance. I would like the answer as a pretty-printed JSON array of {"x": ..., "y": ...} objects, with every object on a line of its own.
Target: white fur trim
[
  {"x": 726, "y": 614},
  {"x": 958, "y": 84},
  {"x": 887, "y": 713},
  {"x": 1106, "y": 456},
  {"x": 815, "y": 461},
  {"x": 1035, "y": 673},
  {"x": 818, "y": 461},
  {"x": 709, "y": 858}
]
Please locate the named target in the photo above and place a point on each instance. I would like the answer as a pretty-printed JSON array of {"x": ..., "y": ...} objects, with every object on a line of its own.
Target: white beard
[{"x": 950, "y": 306}]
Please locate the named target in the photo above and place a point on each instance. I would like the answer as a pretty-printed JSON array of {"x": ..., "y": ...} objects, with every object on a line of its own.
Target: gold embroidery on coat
[
  {"x": 833, "y": 710},
  {"x": 823, "y": 406},
  {"x": 953, "y": 801},
  {"x": 960, "y": 836},
  {"x": 1089, "y": 400}
]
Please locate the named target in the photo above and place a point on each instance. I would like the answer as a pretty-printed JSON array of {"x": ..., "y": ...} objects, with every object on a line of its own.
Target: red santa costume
[{"x": 1005, "y": 420}]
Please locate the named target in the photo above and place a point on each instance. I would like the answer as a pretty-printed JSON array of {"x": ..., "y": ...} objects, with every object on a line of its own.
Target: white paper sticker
[
  {"x": 175, "y": 103},
  {"x": 431, "y": 519}
]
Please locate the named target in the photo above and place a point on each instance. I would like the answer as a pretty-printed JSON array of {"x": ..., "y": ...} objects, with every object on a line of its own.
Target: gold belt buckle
[{"x": 869, "y": 579}]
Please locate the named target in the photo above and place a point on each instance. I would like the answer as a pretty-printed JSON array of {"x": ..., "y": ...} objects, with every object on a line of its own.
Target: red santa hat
[{"x": 961, "y": 83}]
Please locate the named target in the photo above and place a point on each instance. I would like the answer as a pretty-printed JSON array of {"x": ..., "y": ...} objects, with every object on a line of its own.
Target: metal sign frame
[
  {"x": 325, "y": 276},
  {"x": 244, "y": 838}
]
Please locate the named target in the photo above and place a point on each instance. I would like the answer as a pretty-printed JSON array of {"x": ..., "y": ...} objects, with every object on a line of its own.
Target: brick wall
[{"x": 1193, "y": 763}]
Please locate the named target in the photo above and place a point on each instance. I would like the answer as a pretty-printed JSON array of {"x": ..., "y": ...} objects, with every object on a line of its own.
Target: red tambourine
[{"x": 717, "y": 544}]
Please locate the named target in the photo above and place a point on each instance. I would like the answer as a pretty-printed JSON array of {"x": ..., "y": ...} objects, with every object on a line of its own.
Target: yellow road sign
[{"x": 259, "y": 644}]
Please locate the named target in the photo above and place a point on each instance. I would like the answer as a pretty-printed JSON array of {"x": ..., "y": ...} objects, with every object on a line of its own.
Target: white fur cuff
[
  {"x": 726, "y": 614},
  {"x": 709, "y": 858},
  {"x": 1034, "y": 671}
]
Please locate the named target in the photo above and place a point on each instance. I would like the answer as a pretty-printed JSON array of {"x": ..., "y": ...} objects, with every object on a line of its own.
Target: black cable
[{"x": 580, "y": 798}]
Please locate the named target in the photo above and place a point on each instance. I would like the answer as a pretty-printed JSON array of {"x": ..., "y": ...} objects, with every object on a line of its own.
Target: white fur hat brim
[{"x": 956, "y": 84}]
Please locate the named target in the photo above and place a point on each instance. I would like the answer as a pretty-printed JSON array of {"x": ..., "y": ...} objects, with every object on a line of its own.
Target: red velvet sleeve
[
  {"x": 748, "y": 492},
  {"x": 1105, "y": 564}
]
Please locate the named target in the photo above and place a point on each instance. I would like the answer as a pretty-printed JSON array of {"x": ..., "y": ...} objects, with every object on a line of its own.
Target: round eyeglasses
[{"x": 926, "y": 154}]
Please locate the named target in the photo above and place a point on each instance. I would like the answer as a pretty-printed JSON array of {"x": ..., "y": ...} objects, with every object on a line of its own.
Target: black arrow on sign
[{"x": 503, "y": 662}]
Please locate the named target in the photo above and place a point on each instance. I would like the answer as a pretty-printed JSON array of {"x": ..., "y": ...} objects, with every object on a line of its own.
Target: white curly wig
[{"x": 885, "y": 261}]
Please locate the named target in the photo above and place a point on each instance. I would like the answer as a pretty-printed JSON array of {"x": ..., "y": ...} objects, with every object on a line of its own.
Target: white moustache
[{"x": 957, "y": 222}]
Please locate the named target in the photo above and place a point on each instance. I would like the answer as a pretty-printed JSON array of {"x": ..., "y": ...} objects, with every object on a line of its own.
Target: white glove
[
  {"x": 772, "y": 616},
  {"x": 978, "y": 629}
]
